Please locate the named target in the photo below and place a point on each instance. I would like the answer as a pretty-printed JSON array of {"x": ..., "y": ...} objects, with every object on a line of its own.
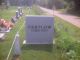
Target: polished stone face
[{"x": 39, "y": 29}]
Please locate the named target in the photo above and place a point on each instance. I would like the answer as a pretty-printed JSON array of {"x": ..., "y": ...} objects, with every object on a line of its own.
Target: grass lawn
[{"x": 67, "y": 37}]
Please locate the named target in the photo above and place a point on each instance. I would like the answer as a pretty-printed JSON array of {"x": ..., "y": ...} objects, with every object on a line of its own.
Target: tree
[
  {"x": 50, "y": 3},
  {"x": 73, "y": 6},
  {"x": 1, "y": 2},
  {"x": 45, "y": 3},
  {"x": 77, "y": 5}
]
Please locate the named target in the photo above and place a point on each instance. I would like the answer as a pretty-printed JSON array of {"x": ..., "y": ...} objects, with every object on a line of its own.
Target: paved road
[{"x": 67, "y": 17}]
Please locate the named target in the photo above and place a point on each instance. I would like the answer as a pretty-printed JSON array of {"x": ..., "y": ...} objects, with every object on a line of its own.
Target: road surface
[{"x": 67, "y": 17}]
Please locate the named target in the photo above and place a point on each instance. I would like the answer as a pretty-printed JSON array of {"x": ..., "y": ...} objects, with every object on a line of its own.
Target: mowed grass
[{"x": 67, "y": 37}]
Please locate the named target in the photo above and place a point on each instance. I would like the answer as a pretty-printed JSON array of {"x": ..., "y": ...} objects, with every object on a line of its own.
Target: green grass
[
  {"x": 67, "y": 37},
  {"x": 7, "y": 13},
  {"x": 6, "y": 44}
]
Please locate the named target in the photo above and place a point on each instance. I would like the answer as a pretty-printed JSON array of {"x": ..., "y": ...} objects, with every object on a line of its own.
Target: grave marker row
[
  {"x": 16, "y": 45},
  {"x": 19, "y": 13}
]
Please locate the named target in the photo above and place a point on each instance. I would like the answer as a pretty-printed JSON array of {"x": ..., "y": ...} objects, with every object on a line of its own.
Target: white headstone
[
  {"x": 20, "y": 11},
  {"x": 39, "y": 29},
  {"x": 17, "y": 14},
  {"x": 16, "y": 48}
]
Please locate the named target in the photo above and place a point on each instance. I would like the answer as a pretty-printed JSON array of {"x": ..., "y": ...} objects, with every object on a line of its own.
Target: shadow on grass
[{"x": 38, "y": 47}]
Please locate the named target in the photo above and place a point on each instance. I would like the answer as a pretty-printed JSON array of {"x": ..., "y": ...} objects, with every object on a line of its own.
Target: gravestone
[
  {"x": 17, "y": 15},
  {"x": 20, "y": 11},
  {"x": 39, "y": 29},
  {"x": 16, "y": 47},
  {"x": 13, "y": 19}
]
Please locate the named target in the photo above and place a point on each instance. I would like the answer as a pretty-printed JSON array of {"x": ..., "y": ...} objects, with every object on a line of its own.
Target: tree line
[{"x": 73, "y": 4}]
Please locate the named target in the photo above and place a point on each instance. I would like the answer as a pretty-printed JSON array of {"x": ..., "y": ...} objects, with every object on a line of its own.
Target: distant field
[{"x": 67, "y": 37}]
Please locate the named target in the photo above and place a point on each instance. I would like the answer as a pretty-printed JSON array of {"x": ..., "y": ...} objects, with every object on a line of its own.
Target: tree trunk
[
  {"x": 1, "y": 2},
  {"x": 77, "y": 5}
]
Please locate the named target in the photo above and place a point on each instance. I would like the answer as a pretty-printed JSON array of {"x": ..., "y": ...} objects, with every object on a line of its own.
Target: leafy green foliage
[{"x": 67, "y": 39}]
